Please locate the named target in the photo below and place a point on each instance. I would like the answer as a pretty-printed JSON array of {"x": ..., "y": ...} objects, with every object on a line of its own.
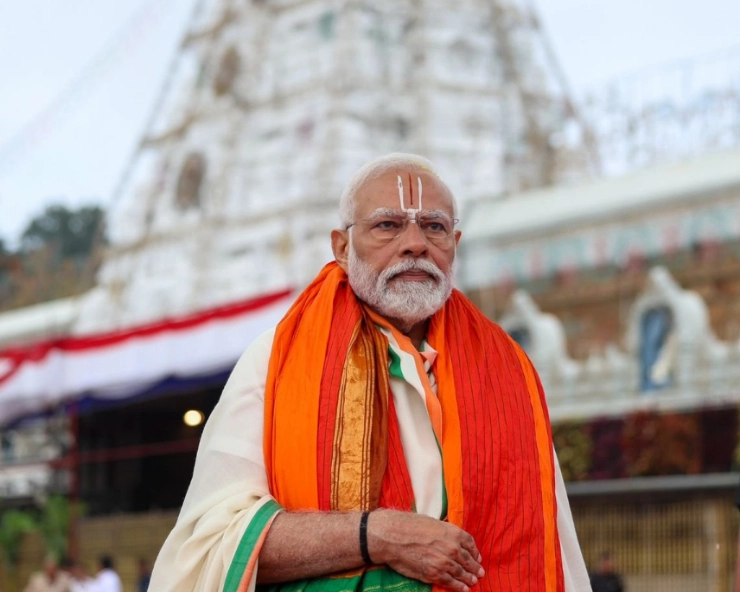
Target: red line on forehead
[{"x": 411, "y": 191}]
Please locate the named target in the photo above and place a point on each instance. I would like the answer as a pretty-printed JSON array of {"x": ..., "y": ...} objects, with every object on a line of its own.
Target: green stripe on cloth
[
  {"x": 246, "y": 545},
  {"x": 444, "y": 485},
  {"x": 371, "y": 581},
  {"x": 395, "y": 364}
]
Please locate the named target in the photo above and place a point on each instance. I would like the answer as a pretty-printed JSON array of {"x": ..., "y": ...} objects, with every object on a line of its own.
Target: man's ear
[{"x": 340, "y": 248}]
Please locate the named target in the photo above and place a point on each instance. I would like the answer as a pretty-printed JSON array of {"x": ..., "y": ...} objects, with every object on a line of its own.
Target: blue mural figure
[
  {"x": 522, "y": 336},
  {"x": 656, "y": 326}
]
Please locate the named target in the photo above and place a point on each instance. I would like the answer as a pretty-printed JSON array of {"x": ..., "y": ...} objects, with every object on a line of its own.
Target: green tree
[
  {"x": 57, "y": 257},
  {"x": 54, "y": 523},
  {"x": 14, "y": 525},
  {"x": 5, "y": 258},
  {"x": 68, "y": 234}
]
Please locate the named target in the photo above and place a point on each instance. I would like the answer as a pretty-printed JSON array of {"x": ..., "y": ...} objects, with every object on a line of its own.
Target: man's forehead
[{"x": 414, "y": 184}]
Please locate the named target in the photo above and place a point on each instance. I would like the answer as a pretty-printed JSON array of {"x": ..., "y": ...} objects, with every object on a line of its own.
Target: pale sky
[{"x": 107, "y": 58}]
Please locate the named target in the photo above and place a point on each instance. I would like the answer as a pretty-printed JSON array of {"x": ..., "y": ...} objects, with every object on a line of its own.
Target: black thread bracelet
[{"x": 363, "y": 539}]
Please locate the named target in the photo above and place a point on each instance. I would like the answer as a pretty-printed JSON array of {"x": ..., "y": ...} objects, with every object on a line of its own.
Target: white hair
[{"x": 377, "y": 168}]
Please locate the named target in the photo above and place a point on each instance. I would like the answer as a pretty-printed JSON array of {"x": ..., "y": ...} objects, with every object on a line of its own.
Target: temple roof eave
[
  {"x": 39, "y": 321},
  {"x": 557, "y": 208}
]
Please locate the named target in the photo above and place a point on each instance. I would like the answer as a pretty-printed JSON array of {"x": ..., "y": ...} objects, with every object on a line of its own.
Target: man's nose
[{"x": 412, "y": 241}]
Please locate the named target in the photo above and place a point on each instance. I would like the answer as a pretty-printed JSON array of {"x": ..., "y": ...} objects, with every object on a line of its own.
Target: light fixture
[{"x": 193, "y": 418}]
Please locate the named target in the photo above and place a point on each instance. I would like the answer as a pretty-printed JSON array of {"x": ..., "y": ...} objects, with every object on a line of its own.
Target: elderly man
[{"x": 385, "y": 435}]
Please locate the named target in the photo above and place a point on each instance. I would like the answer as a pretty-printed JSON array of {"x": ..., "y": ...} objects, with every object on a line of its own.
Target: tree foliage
[
  {"x": 69, "y": 234},
  {"x": 56, "y": 257},
  {"x": 54, "y": 523},
  {"x": 14, "y": 525}
]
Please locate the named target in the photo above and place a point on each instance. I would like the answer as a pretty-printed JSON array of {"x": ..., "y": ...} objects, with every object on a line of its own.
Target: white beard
[{"x": 407, "y": 302}]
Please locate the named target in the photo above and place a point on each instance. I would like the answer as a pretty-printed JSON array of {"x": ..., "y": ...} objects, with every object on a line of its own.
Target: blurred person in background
[
  {"x": 737, "y": 566},
  {"x": 606, "y": 579},
  {"x": 386, "y": 435},
  {"x": 144, "y": 575},
  {"x": 50, "y": 579},
  {"x": 737, "y": 561},
  {"x": 107, "y": 579},
  {"x": 81, "y": 580}
]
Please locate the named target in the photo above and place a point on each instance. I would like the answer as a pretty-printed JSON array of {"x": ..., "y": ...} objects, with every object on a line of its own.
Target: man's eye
[
  {"x": 387, "y": 225},
  {"x": 435, "y": 227}
]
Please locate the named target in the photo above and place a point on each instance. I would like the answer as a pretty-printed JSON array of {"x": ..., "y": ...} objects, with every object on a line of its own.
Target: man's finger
[
  {"x": 468, "y": 543},
  {"x": 452, "y": 584},
  {"x": 459, "y": 572},
  {"x": 470, "y": 565}
]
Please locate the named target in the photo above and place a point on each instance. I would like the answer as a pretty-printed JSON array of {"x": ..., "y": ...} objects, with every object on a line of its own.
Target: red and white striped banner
[{"x": 123, "y": 363}]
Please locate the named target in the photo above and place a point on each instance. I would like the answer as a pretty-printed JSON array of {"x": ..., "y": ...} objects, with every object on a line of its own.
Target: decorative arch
[
  {"x": 190, "y": 181},
  {"x": 522, "y": 335},
  {"x": 228, "y": 69},
  {"x": 541, "y": 335},
  {"x": 668, "y": 333},
  {"x": 657, "y": 348}
]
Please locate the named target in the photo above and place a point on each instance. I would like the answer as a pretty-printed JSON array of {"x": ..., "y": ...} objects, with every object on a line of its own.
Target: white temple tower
[{"x": 271, "y": 105}]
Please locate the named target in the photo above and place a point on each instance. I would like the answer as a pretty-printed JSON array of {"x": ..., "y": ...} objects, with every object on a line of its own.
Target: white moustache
[{"x": 412, "y": 265}]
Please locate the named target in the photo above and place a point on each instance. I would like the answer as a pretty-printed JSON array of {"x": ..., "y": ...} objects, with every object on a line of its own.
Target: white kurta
[
  {"x": 106, "y": 581},
  {"x": 229, "y": 482}
]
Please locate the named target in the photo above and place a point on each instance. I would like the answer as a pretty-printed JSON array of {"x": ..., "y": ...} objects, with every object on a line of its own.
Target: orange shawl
[{"x": 332, "y": 442}]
